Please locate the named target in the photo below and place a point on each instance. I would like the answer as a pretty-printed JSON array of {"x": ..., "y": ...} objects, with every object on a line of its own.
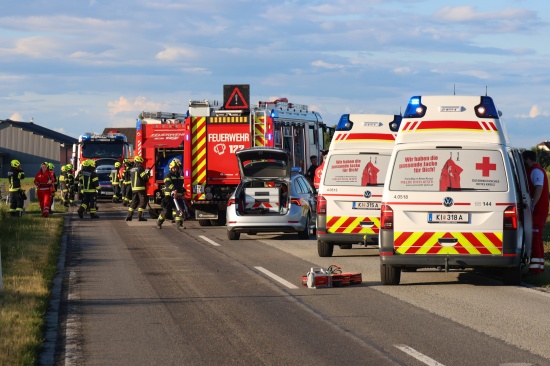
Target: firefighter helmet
[
  {"x": 63, "y": 168},
  {"x": 85, "y": 163},
  {"x": 69, "y": 167},
  {"x": 15, "y": 163},
  {"x": 175, "y": 164},
  {"x": 91, "y": 163},
  {"x": 117, "y": 164},
  {"x": 138, "y": 159},
  {"x": 51, "y": 166}
]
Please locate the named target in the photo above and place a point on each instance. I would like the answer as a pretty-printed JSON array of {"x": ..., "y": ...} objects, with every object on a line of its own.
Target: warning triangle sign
[{"x": 236, "y": 96}]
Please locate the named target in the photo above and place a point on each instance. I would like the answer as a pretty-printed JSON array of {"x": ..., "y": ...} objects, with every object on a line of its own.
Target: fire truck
[
  {"x": 159, "y": 140},
  {"x": 105, "y": 149},
  {"x": 213, "y": 133}
]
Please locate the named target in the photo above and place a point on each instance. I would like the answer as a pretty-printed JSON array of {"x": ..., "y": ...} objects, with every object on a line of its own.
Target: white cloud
[
  {"x": 326, "y": 65},
  {"x": 136, "y": 106},
  {"x": 16, "y": 117},
  {"x": 175, "y": 53},
  {"x": 469, "y": 13}
]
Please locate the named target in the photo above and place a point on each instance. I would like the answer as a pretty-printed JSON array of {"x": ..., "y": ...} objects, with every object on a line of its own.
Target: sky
[{"x": 82, "y": 66}]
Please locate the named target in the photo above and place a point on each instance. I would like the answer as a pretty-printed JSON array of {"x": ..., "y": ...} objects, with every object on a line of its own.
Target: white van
[
  {"x": 350, "y": 191},
  {"x": 456, "y": 194}
]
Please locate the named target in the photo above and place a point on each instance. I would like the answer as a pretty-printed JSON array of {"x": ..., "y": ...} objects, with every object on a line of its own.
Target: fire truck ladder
[{"x": 164, "y": 116}]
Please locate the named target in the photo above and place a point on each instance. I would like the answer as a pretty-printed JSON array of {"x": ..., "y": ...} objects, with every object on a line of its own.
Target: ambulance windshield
[
  {"x": 356, "y": 170},
  {"x": 439, "y": 170}
]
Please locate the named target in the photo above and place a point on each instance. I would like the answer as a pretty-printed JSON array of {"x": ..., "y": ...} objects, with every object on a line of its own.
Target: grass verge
[{"x": 29, "y": 248}]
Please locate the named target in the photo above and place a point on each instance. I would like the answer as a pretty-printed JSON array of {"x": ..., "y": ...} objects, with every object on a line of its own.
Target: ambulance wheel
[
  {"x": 324, "y": 249},
  {"x": 304, "y": 234},
  {"x": 511, "y": 276},
  {"x": 203, "y": 222},
  {"x": 390, "y": 275},
  {"x": 233, "y": 235}
]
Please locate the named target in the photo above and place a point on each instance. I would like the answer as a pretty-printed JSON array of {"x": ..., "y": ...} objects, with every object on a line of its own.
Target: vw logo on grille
[
  {"x": 448, "y": 202},
  {"x": 367, "y": 194}
]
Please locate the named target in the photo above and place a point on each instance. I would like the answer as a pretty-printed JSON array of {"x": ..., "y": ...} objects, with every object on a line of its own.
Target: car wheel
[
  {"x": 203, "y": 222},
  {"x": 304, "y": 234},
  {"x": 324, "y": 249},
  {"x": 233, "y": 235},
  {"x": 390, "y": 275},
  {"x": 512, "y": 276}
]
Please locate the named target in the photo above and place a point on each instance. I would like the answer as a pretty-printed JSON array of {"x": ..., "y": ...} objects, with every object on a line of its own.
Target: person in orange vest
[
  {"x": 538, "y": 187},
  {"x": 44, "y": 187}
]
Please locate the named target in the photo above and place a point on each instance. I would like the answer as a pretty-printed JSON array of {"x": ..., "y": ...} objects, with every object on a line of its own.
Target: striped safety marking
[
  {"x": 259, "y": 130},
  {"x": 228, "y": 119},
  {"x": 476, "y": 243},
  {"x": 352, "y": 225},
  {"x": 263, "y": 204},
  {"x": 198, "y": 154},
  {"x": 469, "y": 126},
  {"x": 358, "y": 137}
]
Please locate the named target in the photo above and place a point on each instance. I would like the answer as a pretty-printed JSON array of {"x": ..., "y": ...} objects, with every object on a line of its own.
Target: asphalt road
[{"x": 136, "y": 295}]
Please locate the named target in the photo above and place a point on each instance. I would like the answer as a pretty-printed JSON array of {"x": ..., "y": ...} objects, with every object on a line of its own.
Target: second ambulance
[
  {"x": 456, "y": 193},
  {"x": 350, "y": 191}
]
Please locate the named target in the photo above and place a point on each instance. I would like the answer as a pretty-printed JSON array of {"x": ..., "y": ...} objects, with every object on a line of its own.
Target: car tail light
[
  {"x": 386, "y": 217},
  {"x": 231, "y": 202},
  {"x": 510, "y": 219},
  {"x": 321, "y": 205},
  {"x": 295, "y": 201}
]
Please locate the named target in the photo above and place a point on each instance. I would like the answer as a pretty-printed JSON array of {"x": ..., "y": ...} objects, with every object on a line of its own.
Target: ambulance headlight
[
  {"x": 415, "y": 108},
  {"x": 344, "y": 124},
  {"x": 486, "y": 108}
]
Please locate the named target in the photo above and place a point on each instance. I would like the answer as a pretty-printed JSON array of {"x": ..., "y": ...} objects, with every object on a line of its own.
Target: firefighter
[
  {"x": 139, "y": 178},
  {"x": 17, "y": 194},
  {"x": 127, "y": 183},
  {"x": 114, "y": 177},
  {"x": 63, "y": 186},
  {"x": 173, "y": 190},
  {"x": 44, "y": 186},
  {"x": 51, "y": 168},
  {"x": 89, "y": 186},
  {"x": 70, "y": 183}
]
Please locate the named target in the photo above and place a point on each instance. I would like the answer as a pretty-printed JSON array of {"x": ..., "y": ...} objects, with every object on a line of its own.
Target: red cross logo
[{"x": 485, "y": 166}]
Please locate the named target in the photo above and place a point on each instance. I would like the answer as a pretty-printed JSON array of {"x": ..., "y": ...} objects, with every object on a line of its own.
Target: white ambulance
[
  {"x": 456, "y": 194},
  {"x": 350, "y": 191}
]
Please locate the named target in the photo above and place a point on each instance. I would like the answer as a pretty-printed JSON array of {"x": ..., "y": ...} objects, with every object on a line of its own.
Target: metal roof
[{"x": 41, "y": 131}]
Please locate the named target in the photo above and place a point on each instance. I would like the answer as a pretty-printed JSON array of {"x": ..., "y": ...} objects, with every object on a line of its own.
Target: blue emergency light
[
  {"x": 486, "y": 108},
  {"x": 274, "y": 114},
  {"x": 415, "y": 108},
  {"x": 86, "y": 137},
  {"x": 344, "y": 124}
]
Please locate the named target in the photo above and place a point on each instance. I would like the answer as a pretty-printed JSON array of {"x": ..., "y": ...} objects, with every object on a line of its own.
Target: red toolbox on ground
[{"x": 331, "y": 277}]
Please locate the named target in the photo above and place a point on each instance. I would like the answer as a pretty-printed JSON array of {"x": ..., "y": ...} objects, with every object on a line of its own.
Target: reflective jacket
[
  {"x": 139, "y": 178},
  {"x": 14, "y": 179},
  {"x": 89, "y": 181},
  {"x": 173, "y": 182}
]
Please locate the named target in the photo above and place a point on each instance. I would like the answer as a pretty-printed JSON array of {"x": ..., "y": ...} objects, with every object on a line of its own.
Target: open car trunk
[{"x": 259, "y": 198}]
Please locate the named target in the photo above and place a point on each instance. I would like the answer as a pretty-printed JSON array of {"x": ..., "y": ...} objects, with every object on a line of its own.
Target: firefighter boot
[
  {"x": 129, "y": 216},
  {"x": 80, "y": 212},
  {"x": 180, "y": 226},
  {"x": 159, "y": 223},
  {"x": 140, "y": 216},
  {"x": 94, "y": 216}
]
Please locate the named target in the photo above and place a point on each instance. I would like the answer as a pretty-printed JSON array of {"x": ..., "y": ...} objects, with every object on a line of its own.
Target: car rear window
[
  {"x": 357, "y": 170},
  {"x": 436, "y": 170}
]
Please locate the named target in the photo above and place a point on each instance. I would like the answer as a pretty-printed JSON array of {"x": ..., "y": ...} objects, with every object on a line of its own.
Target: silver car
[{"x": 270, "y": 197}]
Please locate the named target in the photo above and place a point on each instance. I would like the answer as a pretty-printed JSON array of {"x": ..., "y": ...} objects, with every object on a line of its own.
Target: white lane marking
[
  {"x": 276, "y": 278},
  {"x": 209, "y": 240},
  {"x": 419, "y": 356}
]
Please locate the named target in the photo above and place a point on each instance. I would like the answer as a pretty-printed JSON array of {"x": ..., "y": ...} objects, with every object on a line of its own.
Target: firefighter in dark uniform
[
  {"x": 63, "y": 187},
  {"x": 17, "y": 194},
  {"x": 173, "y": 190},
  {"x": 89, "y": 186},
  {"x": 139, "y": 178},
  {"x": 70, "y": 183},
  {"x": 115, "y": 181},
  {"x": 127, "y": 184},
  {"x": 51, "y": 167}
]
